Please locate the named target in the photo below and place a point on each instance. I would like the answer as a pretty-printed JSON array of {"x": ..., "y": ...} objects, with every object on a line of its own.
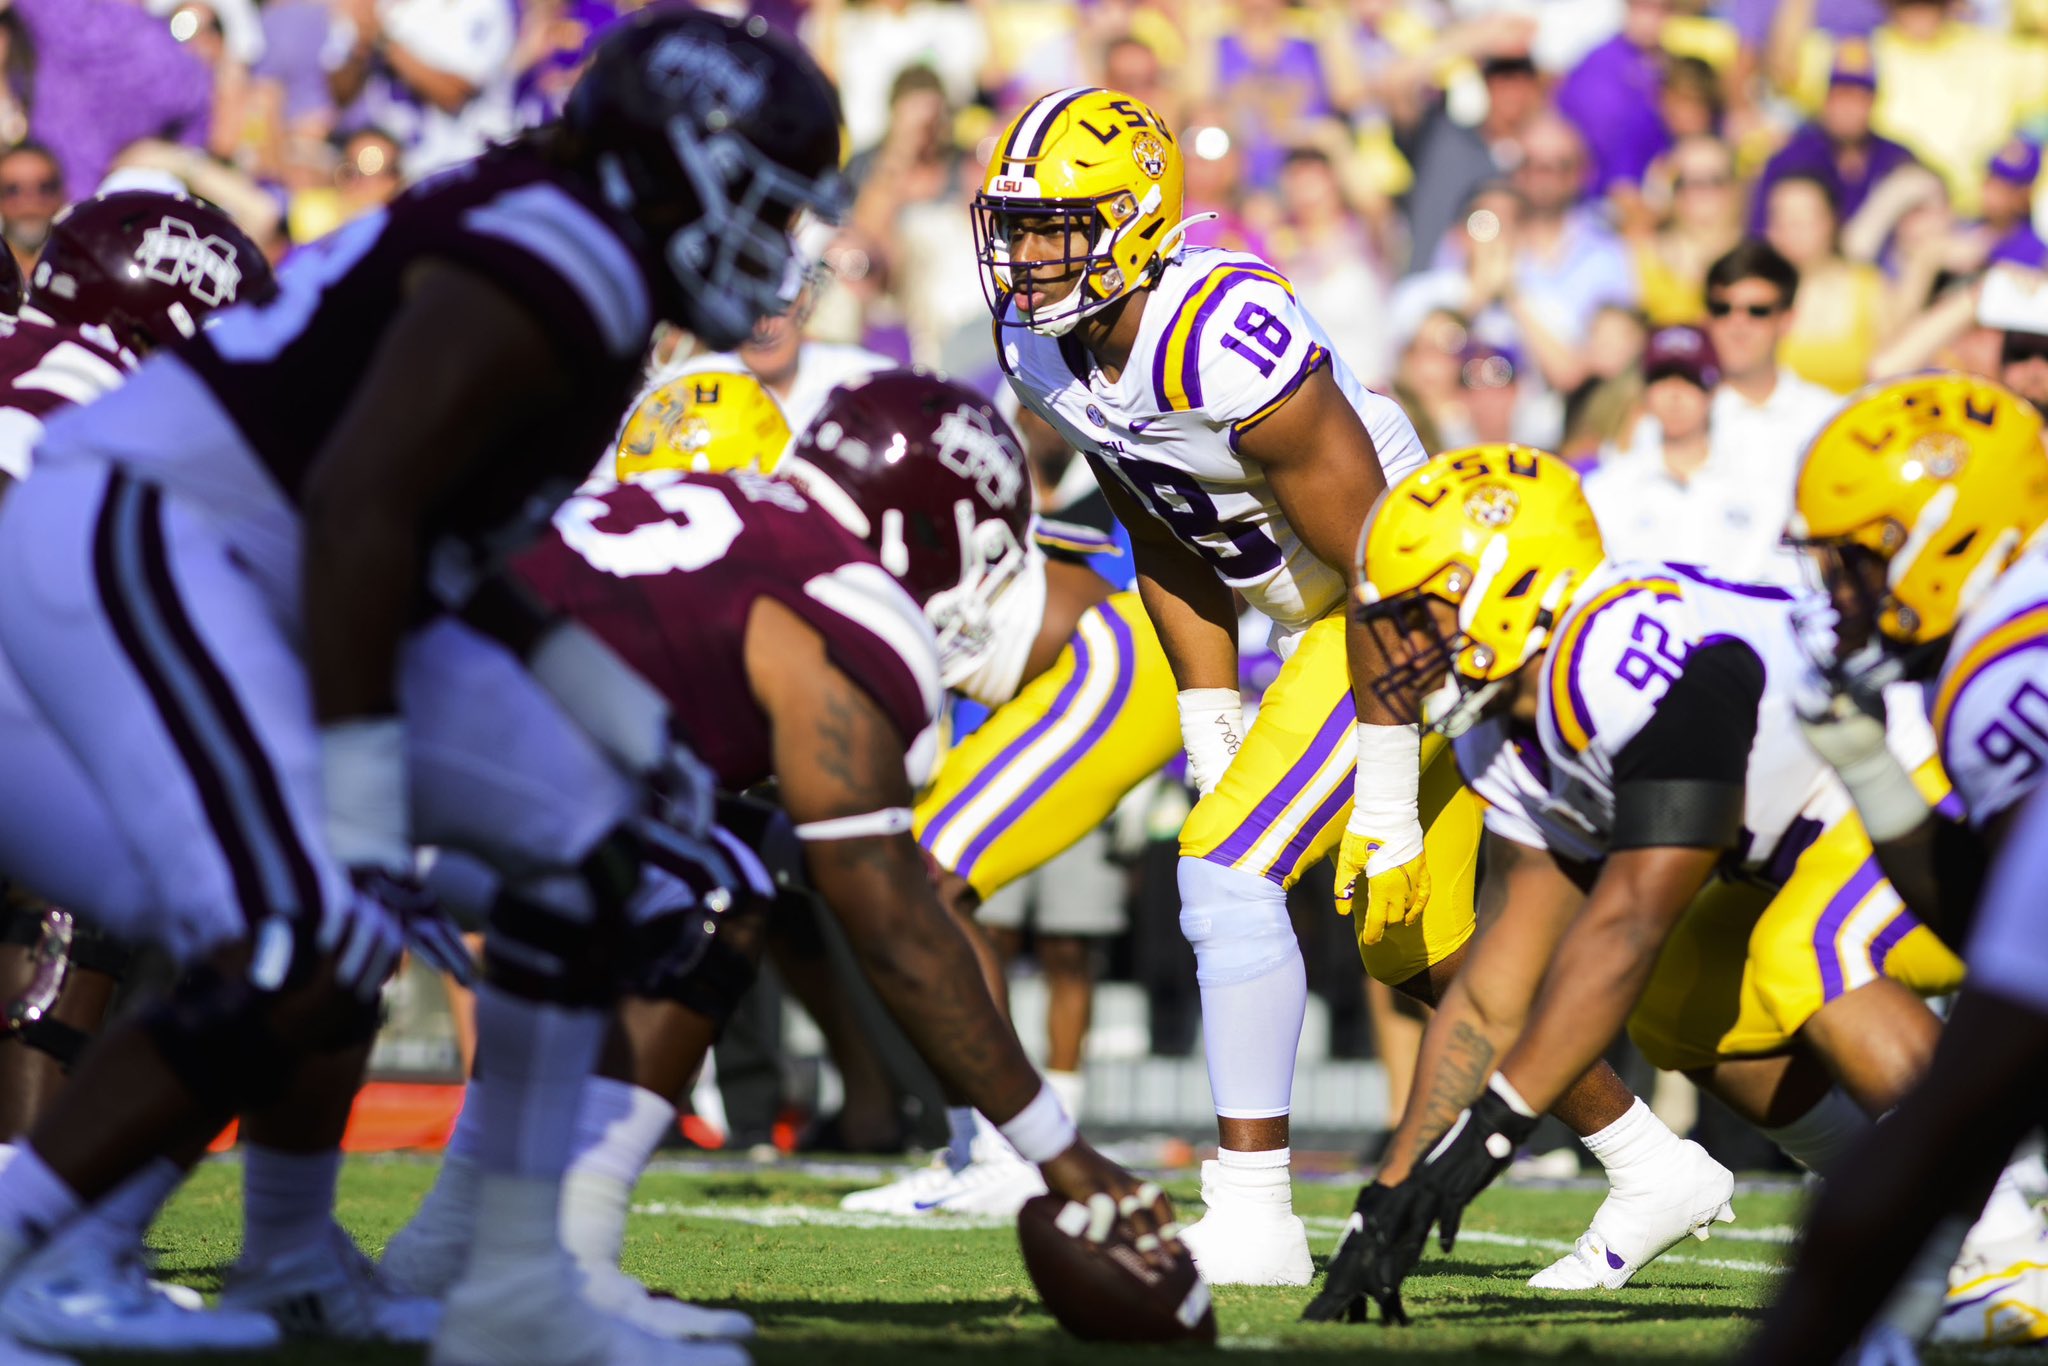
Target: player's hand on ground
[
  {"x": 1114, "y": 1196},
  {"x": 1382, "y": 1242},
  {"x": 1466, "y": 1160},
  {"x": 1395, "y": 877}
]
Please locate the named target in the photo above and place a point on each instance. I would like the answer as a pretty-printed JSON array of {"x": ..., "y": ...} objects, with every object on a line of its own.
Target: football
[{"x": 1106, "y": 1291}]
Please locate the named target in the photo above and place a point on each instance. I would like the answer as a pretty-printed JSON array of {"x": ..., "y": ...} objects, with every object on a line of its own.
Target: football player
[
  {"x": 712, "y": 421},
  {"x": 1923, "y": 502},
  {"x": 217, "y": 562},
  {"x": 763, "y": 611},
  {"x": 1636, "y": 720},
  {"x": 1242, "y": 456}
]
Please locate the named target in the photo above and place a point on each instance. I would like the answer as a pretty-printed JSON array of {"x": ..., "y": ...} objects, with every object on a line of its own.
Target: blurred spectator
[
  {"x": 435, "y": 73},
  {"x": 1840, "y": 319},
  {"x": 1334, "y": 263},
  {"x": 1454, "y": 159},
  {"x": 62, "y": 75},
  {"x": 1599, "y": 411},
  {"x": 1215, "y": 185},
  {"x": 1614, "y": 95},
  {"x": 1427, "y": 380},
  {"x": 1268, "y": 82},
  {"x": 365, "y": 177},
  {"x": 1949, "y": 90},
  {"x": 227, "y": 35},
  {"x": 1691, "y": 100},
  {"x": 555, "y": 39},
  {"x": 2023, "y": 365},
  {"x": 2007, "y": 206},
  {"x": 2014, "y": 302},
  {"x": 866, "y": 44},
  {"x": 1132, "y": 65},
  {"x": 1705, "y": 220},
  {"x": 31, "y": 193},
  {"x": 1837, "y": 146},
  {"x": 295, "y": 36},
  {"x": 1686, "y": 494},
  {"x": 1382, "y": 61},
  {"x": 1490, "y": 379}
]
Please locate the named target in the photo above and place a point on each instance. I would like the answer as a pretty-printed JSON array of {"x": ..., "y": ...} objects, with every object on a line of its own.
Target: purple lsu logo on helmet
[{"x": 173, "y": 253}]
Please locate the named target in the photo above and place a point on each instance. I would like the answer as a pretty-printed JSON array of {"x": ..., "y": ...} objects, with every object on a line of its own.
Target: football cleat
[
  {"x": 527, "y": 1313},
  {"x": 1250, "y": 1234},
  {"x": 84, "y": 1292},
  {"x": 902, "y": 1196},
  {"x": 329, "y": 1289},
  {"x": 996, "y": 1181},
  {"x": 615, "y": 1293},
  {"x": 1642, "y": 1219},
  {"x": 428, "y": 1255},
  {"x": 2001, "y": 1308}
]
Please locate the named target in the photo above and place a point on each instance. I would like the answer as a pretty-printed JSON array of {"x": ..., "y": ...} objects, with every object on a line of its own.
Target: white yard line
[{"x": 814, "y": 1216}]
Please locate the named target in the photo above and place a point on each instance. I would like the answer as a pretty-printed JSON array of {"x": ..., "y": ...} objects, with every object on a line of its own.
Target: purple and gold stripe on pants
[
  {"x": 1857, "y": 931},
  {"x": 1279, "y": 830}
]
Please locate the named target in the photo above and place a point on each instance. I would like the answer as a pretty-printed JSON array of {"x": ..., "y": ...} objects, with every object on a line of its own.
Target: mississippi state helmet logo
[
  {"x": 173, "y": 253},
  {"x": 968, "y": 446},
  {"x": 1150, "y": 154}
]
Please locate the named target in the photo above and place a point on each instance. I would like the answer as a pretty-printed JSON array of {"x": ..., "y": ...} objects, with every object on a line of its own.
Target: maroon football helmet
[
  {"x": 147, "y": 265},
  {"x": 930, "y": 475}
]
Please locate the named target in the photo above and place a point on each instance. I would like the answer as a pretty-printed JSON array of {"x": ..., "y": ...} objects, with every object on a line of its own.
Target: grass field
[{"x": 827, "y": 1287}]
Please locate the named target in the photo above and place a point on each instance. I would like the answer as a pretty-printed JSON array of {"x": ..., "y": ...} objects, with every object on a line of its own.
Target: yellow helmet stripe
[
  {"x": 1568, "y": 708},
  {"x": 2028, "y": 630},
  {"x": 1027, "y": 138},
  {"x": 1176, "y": 366}
]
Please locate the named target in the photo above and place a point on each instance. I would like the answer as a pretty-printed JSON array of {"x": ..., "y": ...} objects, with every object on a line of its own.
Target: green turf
[{"x": 906, "y": 1297}]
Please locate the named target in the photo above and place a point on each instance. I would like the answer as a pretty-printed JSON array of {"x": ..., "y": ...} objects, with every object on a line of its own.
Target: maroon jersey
[
  {"x": 44, "y": 367},
  {"x": 283, "y": 372},
  {"x": 667, "y": 569}
]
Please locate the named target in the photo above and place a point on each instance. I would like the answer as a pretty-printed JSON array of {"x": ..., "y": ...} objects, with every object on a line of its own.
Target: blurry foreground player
[
  {"x": 119, "y": 276},
  {"x": 1635, "y": 719},
  {"x": 790, "y": 625},
  {"x": 1923, "y": 501},
  {"x": 216, "y": 568}
]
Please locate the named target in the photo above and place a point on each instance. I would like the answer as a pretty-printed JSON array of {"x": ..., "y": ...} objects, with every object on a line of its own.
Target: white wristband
[
  {"x": 1041, "y": 1130},
  {"x": 1885, "y": 796},
  {"x": 1211, "y": 729},
  {"x": 604, "y": 695},
  {"x": 890, "y": 820},
  {"x": 1384, "y": 802},
  {"x": 363, "y": 783}
]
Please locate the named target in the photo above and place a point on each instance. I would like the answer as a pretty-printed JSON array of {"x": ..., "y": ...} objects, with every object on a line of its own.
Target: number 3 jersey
[
  {"x": 1658, "y": 676},
  {"x": 1989, "y": 704},
  {"x": 666, "y": 571},
  {"x": 1222, "y": 344}
]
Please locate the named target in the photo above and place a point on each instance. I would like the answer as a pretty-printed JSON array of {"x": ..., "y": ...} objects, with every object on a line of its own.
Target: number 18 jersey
[{"x": 1222, "y": 345}]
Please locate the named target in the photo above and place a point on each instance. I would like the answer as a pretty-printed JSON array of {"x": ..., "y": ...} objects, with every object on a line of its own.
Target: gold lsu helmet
[
  {"x": 1917, "y": 496},
  {"x": 1096, "y": 170},
  {"x": 708, "y": 422},
  {"x": 1500, "y": 533}
]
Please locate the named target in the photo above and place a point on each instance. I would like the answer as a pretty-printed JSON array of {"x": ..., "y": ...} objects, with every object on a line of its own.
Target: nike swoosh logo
[
  {"x": 928, "y": 1204},
  {"x": 1139, "y": 424}
]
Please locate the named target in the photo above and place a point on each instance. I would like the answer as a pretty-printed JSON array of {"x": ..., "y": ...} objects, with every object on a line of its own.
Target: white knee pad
[{"x": 1236, "y": 922}]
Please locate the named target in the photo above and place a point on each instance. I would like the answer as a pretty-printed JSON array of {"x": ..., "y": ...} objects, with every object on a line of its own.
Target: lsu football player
[
  {"x": 1242, "y": 455},
  {"x": 706, "y": 422},
  {"x": 1634, "y": 722},
  {"x": 1923, "y": 501}
]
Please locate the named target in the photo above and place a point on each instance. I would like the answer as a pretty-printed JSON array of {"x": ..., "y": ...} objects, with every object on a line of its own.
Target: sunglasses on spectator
[
  {"x": 1721, "y": 308},
  {"x": 1703, "y": 182},
  {"x": 21, "y": 189},
  {"x": 2021, "y": 347}
]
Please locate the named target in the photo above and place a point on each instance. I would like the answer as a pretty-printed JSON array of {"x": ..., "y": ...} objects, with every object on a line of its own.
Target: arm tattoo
[{"x": 1457, "y": 1082}]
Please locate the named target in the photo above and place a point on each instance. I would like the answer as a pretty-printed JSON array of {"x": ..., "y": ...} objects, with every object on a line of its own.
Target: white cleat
[
  {"x": 1642, "y": 1220},
  {"x": 82, "y": 1292},
  {"x": 329, "y": 1289},
  {"x": 613, "y": 1292},
  {"x": 1997, "y": 1308},
  {"x": 901, "y": 1196},
  {"x": 527, "y": 1314},
  {"x": 996, "y": 1182},
  {"x": 1250, "y": 1234},
  {"x": 428, "y": 1256}
]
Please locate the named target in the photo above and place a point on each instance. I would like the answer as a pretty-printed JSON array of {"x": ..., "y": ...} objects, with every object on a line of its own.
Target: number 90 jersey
[
  {"x": 1221, "y": 346},
  {"x": 1614, "y": 655},
  {"x": 1990, "y": 702}
]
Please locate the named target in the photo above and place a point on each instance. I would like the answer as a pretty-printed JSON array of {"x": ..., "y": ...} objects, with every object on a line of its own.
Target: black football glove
[
  {"x": 1465, "y": 1160},
  {"x": 1382, "y": 1242}
]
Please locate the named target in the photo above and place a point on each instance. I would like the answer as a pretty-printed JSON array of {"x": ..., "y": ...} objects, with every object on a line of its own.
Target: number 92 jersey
[
  {"x": 1990, "y": 702},
  {"x": 1222, "y": 344}
]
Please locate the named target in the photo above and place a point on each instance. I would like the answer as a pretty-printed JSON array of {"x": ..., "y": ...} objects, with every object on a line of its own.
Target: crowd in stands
[{"x": 1659, "y": 236}]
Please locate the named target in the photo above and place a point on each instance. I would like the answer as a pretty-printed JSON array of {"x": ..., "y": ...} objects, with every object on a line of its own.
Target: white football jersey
[
  {"x": 1990, "y": 702},
  {"x": 1221, "y": 346},
  {"x": 1505, "y": 767}
]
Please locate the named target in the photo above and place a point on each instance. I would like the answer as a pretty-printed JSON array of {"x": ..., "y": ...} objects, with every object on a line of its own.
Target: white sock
[
  {"x": 960, "y": 1132},
  {"x": 287, "y": 1198},
  {"x": 1261, "y": 1177},
  {"x": 448, "y": 1214},
  {"x": 124, "y": 1214},
  {"x": 1253, "y": 983},
  {"x": 517, "y": 1221},
  {"x": 1634, "y": 1145},
  {"x": 34, "y": 1201},
  {"x": 536, "y": 1058},
  {"x": 1820, "y": 1138},
  {"x": 617, "y": 1131},
  {"x": 1071, "y": 1088}
]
